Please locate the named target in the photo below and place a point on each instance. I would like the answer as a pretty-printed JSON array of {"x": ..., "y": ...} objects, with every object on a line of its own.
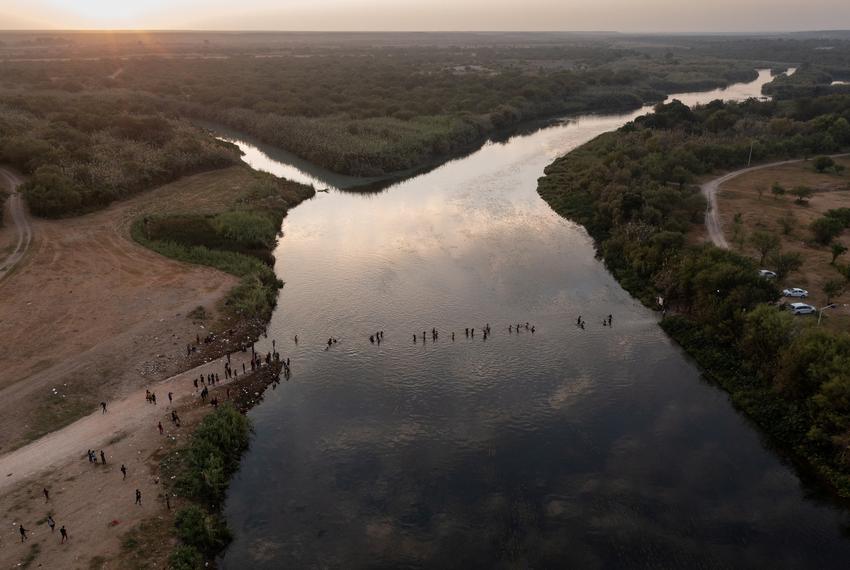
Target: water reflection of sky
[{"x": 566, "y": 448}]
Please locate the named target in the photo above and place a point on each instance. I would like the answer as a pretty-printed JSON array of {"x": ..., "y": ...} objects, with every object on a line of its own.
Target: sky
[{"x": 430, "y": 15}]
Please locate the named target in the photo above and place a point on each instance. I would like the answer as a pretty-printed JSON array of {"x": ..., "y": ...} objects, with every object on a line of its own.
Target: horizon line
[{"x": 331, "y": 31}]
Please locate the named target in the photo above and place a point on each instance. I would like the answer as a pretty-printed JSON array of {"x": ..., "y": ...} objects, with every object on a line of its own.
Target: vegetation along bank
[{"x": 633, "y": 190}]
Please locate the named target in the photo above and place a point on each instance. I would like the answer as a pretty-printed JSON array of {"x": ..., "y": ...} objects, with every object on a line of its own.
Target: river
[{"x": 592, "y": 448}]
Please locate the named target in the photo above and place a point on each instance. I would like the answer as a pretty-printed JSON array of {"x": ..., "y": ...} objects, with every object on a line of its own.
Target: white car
[
  {"x": 767, "y": 273},
  {"x": 801, "y": 309},
  {"x": 796, "y": 292}
]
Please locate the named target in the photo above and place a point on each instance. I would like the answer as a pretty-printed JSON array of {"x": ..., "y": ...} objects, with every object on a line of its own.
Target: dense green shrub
[
  {"x": 79, "y": 164},
  {"x": 202, "y": 530},
  {"x": 186, "y": 558},
  {"x": 825, "y": 229},
  {"x": 767, "y": 333},
  {"x": 51, "y": 193},
  {"x": 213, "y": 454},
  {"x": 250, "y": 229}
]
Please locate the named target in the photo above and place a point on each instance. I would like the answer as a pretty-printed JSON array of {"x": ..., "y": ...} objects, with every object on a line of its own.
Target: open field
[
  {"x": 102, "y": 315},
  {"x": 740, "y": 196}
]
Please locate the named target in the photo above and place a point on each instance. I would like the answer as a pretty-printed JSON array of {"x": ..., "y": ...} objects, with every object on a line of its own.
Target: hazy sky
[{"x": 619, "y": 15}]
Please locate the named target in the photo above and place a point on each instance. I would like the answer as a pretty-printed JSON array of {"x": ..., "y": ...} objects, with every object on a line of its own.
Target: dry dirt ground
[
  {"x": 90, "y": 315},
  {"x": 740, "y": 195},
  {"x": 93, "y": 501}
]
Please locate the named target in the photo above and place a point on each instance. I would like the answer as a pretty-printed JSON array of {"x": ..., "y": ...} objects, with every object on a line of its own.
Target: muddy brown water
[{"x": 566, "y": 448}]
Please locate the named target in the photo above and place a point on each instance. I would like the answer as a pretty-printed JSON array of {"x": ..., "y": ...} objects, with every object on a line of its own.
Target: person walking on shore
[
  {"x": 159, "y": 425},
  {"x": 103, "y": 406},
  {"x": 102, "y": 457},
  {"x": 138, "y": 497},
  {"x": 123, "y": 472},
  {"x": 23, "y": 533},
  {"x": 51, "y": 523},
  {"x": 46, "y": 494},
  {"x": 64, "y": 534}
]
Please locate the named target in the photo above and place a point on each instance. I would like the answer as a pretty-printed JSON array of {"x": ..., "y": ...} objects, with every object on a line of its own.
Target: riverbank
[
  {"x": 782, "y": 374},
  {"x": 420, "y": 144},
  {"x": 96, "y": 502},
  {"x": 106, "y": 294}
]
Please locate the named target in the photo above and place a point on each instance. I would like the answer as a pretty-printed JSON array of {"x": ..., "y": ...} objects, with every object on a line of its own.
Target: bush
[
  {"x": 814, "y": 357},
  {"x": 826, "y": 229},
  {"x": 186, "y": 558},
  {"x": 767, "y": 332},
  {"x": 213, "y": 454},
  {"x": 250, "y": 229},
  {"x": 201, "y": 530},
  {"x": 823, "y": 163},
  {"x": 803, "y": 194},
  {"x": 52, "y": 193}
]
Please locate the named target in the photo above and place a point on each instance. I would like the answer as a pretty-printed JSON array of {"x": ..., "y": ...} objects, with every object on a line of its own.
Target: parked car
[
  {"x": 801, "y": 309},
  {"x": 767, "y": 273},
  {"x": 796, "y": 292}
]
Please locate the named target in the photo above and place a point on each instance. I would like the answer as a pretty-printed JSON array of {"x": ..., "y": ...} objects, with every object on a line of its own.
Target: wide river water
[{"x": 566, "y": 448}]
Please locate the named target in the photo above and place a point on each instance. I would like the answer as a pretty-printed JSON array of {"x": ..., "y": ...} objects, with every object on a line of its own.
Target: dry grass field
[{"x": 740, "y": 196}]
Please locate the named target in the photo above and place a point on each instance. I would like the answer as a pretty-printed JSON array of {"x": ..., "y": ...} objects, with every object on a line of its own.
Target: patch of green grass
[{"x": 228, "y": 261}]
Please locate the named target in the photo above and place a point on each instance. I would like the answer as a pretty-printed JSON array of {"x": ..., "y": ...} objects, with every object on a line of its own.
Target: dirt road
[
  {"x": 709, "y": 189},
  {"x": 96, "y": 430},
  {"x": 23, "y": 229},
  {"x": 96, "y": 502}
]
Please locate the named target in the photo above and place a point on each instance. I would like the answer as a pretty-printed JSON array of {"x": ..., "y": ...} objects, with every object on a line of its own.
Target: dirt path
[
  {"x": 23, "y": 229},
  {"x": 709, "y": 189},
  {"x": 95, "y": 431},
  {"x": 95, "y": 502}
]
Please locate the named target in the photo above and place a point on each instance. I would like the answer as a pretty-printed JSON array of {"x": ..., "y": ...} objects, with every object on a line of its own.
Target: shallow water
[{"x": 564, "y": 448}]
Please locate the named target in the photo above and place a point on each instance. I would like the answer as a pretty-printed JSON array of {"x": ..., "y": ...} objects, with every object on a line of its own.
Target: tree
[
  {"x": 803, "y": 193},
  {"x": 833, "y": 288},
  {"x": 204, "y": 531},
  {"x": 777, "y": 190},
  {"x": 787, "y": 222},
  {"x": 767, "y": 333},
  {"x": 51, "y": 193},
  {"x": 186, "y": 558},
  {"x": 822, "y": 163},
  {"x": 826, "y": 228},
  {"x": 739, "y": 235},
  {"x": 812, "y": 358},
  {"x": 838, "y": 249},
  {"x": 764, "y": 242},
  {"x": 786, "y": 263}
]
